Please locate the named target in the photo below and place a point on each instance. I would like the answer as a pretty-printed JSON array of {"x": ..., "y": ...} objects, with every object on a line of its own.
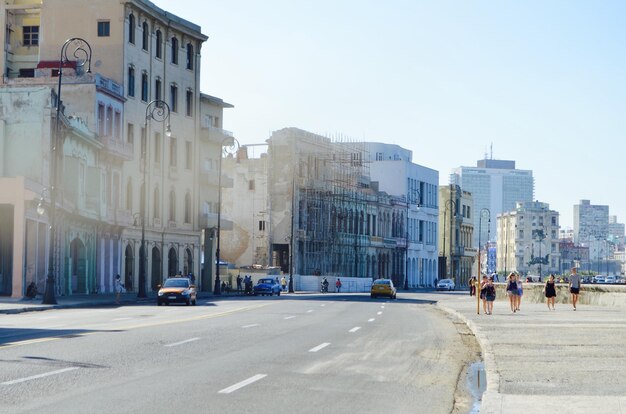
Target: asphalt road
[{"x": 296, "y": 353}]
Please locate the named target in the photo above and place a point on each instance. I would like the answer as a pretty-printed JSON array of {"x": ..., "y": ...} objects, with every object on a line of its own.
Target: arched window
[
  {"x": 159, "y": 44},
  {"x": 174, "y": 51},
  {"x": 131, "y": 28},
  {"x": 172, "y": 206},
  {"x": 188, "y": 208},
  {"x": 129, "y": 196},
  {"x": 146, "y": 36},
  {"x": 144, "y": 87},
  {"x": 155, "y": 203},
  {"x": 131, "y": 81},
  {"x": 189, "y": 56}
]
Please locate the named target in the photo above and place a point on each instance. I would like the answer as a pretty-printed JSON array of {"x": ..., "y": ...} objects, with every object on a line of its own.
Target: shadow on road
[{"x": 12, "y": 335}]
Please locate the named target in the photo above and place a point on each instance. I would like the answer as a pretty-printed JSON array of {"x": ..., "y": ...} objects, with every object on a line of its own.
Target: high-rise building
[
  {"x": 591, "y": 222},
  {"x": 616, "y": 230},
  {"x": 496, "y": 185}
]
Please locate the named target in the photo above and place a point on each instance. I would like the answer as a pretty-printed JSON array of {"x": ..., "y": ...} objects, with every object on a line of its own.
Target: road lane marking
[
  {"x": 309, "y": 311},
  {"x": 371, "y": 320},
  {"x": 47, "y": 374},
  {"x": 320, "y": 346},
  {"x": 356, "y": 328},
  {"x": 380, "y": 313},
  {"x": 382, "y": 306},
  {"x": 289, "y": 317},
  {"x": 43, "y": 318},
  {"x": 242, "y": 384},
  {"x": 250, "y": 326},
  {"x": 323, "y": 304},
  {"x": 183, "y": 342},
  {"x": 121, "y": 319}
]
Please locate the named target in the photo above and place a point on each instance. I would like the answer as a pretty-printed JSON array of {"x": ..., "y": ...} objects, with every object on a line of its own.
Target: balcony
[
  {"x": 117, "y": 148},
  {"x": 214, "y": 135}
]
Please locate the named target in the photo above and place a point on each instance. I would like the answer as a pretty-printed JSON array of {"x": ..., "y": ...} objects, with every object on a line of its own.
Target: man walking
[{"x": 574, "y": 286}]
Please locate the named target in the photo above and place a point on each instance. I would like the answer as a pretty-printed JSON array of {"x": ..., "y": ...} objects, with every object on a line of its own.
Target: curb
[
  {"x": 70, "y": 306},
  {"x": 491, "y": 396}
]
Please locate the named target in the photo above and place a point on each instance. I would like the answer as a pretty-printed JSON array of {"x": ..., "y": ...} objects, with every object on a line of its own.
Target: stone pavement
[{"x": 542, "y": 361}]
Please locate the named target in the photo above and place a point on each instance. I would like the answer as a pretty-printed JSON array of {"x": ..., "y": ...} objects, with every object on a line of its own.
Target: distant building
[
  {"x": 496, "y": 185},
  {"x": 616, "y": 230},
  {"x": 528, "y": 239},
  {"x": 591, "y": 222}
]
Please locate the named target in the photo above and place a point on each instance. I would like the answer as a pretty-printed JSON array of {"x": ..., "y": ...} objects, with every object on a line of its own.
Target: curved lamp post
[
  {"x": 483, "y": 211},
  {"x": 81, "y": 52},
  {"x": 227, "y": 148},
  {"x": 159, "y": 111}
]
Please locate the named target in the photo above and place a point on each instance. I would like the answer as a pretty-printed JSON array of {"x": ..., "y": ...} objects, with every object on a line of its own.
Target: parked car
[
  {"x": 599, "y": 279},
  {"x": 445, "y": 284},
  {"x": 610, "y": 279},
  {"x": 383, "y": 287},
  {"x": 177, "y": 290},
  {"x": 267, "y": 286}
]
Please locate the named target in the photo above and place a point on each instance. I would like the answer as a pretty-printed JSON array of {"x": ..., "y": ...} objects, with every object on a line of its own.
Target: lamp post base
[
  {"x": 217, "y": 290},
  {"x": 48, "y": 296},
  {"x": 290, "y": 284}
]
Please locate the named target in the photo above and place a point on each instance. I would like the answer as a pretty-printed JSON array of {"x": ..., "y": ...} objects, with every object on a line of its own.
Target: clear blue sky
[{"x": 544, "y": 81}]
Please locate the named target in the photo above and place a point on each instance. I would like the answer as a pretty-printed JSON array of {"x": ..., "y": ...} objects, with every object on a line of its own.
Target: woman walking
[
  {"x": 483, "y": 289},
  {"x": 520, "y": 292},
  {"x": 490, "y": 295},
  {"x": 511, "y": 291},
  {"x": 550, "y": 291}
]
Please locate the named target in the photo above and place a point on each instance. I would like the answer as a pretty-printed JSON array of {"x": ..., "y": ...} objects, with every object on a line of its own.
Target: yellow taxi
[
  {"x": 177, "y": 290},
  {"x": 383, "y": 287}
]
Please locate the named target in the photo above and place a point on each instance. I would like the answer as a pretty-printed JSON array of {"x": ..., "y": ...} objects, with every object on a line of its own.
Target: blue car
[{"x": 267, "y": 286}]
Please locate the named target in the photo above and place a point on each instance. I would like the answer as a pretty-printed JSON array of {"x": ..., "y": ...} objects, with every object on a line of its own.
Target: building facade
[
  {"x": 528, "y": 240},
  {"x": 591, "y": 222},
  {"x": 496, "y": 185}
]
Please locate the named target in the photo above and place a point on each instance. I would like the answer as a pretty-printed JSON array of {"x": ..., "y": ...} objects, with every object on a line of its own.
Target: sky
[{"x": 542, "y": 83}]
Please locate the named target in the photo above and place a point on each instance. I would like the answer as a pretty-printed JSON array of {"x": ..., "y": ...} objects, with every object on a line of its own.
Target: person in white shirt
[{"x": 574, "y": 286}]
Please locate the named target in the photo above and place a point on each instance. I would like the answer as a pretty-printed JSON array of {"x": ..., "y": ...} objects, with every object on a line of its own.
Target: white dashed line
[
  {"x": 183, "y": 342},
  {"x": 371, "y": 320},
  {"x": 309, "y": 311},
  {"x": 379, "y": 313},
  {"x": 250, "y": 326},
  {"x": 121, "y": 319},
  {"x": 47, "y": 374},
  {"x": 320, "y": 346},
  {"x": 43, "y": 318},
  {"x": 289, "y": 317},
  {"x": 323, "y": 304},
  {"x": 356, "y": 328},
  {"x": 242, "y": 384},
  {"x": 382, "y": 306}
]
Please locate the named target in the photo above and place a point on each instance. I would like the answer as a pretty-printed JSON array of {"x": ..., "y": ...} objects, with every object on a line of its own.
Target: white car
[
  {"x": 445, "y": 284},
  {"x": 610, "y": 279}
]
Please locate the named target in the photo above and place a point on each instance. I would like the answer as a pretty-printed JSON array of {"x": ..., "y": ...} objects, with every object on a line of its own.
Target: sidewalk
[{"x": 540, "y": 361}]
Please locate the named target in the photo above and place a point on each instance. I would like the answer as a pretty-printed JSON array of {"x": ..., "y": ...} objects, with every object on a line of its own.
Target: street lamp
[
  {"x": 410, "y": 196},
  {"x": 82, "y": 54},
  {"x": 159, "y": 111},
  {"x": 229, "y": 146},
  {"x": 449, "y": 205},
  {"x": 480, "y": 228}
]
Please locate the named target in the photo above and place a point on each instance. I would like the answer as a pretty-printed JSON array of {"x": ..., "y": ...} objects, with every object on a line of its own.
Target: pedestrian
[
  {"x": 520, "y": 292},
  {"x": 549, "y": 291},
  {"x": 496, "y": 278},
  {"x": 283, "y": 283},
  {"x": 118, "y": 289},
  {"x": 490, "y": 295},
  {"x": 338, "y": 285},
  {"x": 472, "y": 285},
  {"x": 238, "y": 283},
  {"x": 511, "y": 291},
  {"x": 483, "y": 291},
  {"x": 574, "y": 286}
]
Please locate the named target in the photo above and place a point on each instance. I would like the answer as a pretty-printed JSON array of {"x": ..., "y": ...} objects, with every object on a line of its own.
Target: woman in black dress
[
  {"x": 511, "y": 291},
  {"x": 550, "y": 291}
]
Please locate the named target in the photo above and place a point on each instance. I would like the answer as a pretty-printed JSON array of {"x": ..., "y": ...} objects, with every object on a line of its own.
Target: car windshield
[
  {"x": 382, "y": 282},
  {"x": 176, "y": 283},
  {"x": 269, "y": 281},
  {"x": 444, "y": 281}
]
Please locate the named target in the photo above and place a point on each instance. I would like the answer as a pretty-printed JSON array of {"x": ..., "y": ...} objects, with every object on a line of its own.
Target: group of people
[
  {"x": 515, "y": 291},
  {"x": 325, "y": 284}
]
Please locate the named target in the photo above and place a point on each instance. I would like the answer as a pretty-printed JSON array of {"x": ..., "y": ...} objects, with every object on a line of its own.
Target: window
[
  {"x": 189, "y": 56},
  {"x": 131, "y": 28},
  {"x": 172, "y": 215},
  {"x": 117, "y": 125},
  {"x": 146, "y": 36},
  {"x": 157, "y": 89},
  {"x": 104, "y": 28},
  {"x": 159, "y": 44},
  {"x": 189, "y": 103},
  {"x": 157, "y": 148},
  {"x": 155, "y": 203},
  {"x": 30, "y": 36},
  {"x": 131, "y": 81},
  {"x": 261, "y": 225},
  {"x": 188, "y": 154},
  {"x": 109, "y": 131},
  {"x": 129, "y": 195},
  {"x": 251, "y": 185},
  {"x": 188, "y": 208},
  {"x": 144, "y": 87},
  {"x": 174, "y": 98},
  {"x": 174, "y": 51},
  {"x": 143, "y": 142},
  {"x": 130, "y": 134},
  {"x": 172, "y": 152},
  {"x": 379, "y": 156},
  {"x": 28, "y": 73},
  {"x": 101, "y": 119}
]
